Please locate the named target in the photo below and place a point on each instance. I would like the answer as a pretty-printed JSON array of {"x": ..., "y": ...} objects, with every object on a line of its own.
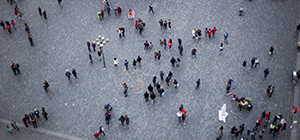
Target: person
[
  {"x": 161, "y": 23},
  {"x": 294, "y": 111},
  {"x": 45, "y": 14},
  {"x": 45, "y": 114},
  {"x": 181, "y": 107},
  {"x": 101, "y": 130},
  {"x": 125, "y": 89},
  {"x": 13, "y": 23},
  {"x": 179, "y": 114},
  {"x": 123, "y": 31},
  {"x": 68, "y": 74},
  {"x": 26, "y": 27},
  {"x": 36, "y": 113},
  {"x": 91, "y": 59},
  {"x": 116, "y": 62},
  {"x": 167, "y": 81},
  {"x": 33, "y": 123},
  {"x": 60, "y": 2},
  {"x": 129, "y": 14},
  {"x": 139, "y": 59},
  {"x": 170, "y": 75},
  {"x": 158, "y": 55},
  {"x": 99, "y": 54},
  {"x": 127, "y": 119},
  {"x": 241, "y": 10},
  {"x": 183, "y": 119},
  {"x": 180, "y": 49},
  {"x": 176, "y": 84},
  {"x": 249, "y": 107},
  {"x": 221, "y": 48},
  {"x": 228, "y": 89},
  {"x": 161, "y": 91},
  {"x": 25, "y": 122},
  {"x": 170, "y": 43},
  {"x": 209, "y": 33},
  {"x": 119, "y": 10},
  {"x": 155, "y": 54},
  {"x": 14, "y": 124},
  {"x": 150, "y": 88},
  {"x": 2, "y": 24},
  {"x": 27, "y": 118},
  {"x": 241, "y": 128},
  {"x": 225, "y": 37},
  {"x": 46, "y": 86},
  {"x": 271, "y": 91},
  {"x": 169, "y": 23},
  {"x": 152, "y": 96},
  {"x": 126, "y": 64},
  {"x": 220, "y": 135},
  {"x": 157, "y": 86},
  {"x": 74, "y": 73},
  {"x": 266, "y": 72},
  {"x": 214, "y": 31},
  {"x": 244, "y": 64},
  {"x": 198, "y": 84},
  {"x": 178, "y": 62},
  {"x": 134, "y": 63},
  {"x": 8, "y": 29},
  {"x": 173, "y": 60},
  {"x": 256, "y": 62},
  {"x": 146, "y": 96},
  {"x": 9, "y": 129},
  {"x": 122, "y": 119},
  {"x": 297, "y": 28},
  {"x": 233, "y": 130},
  {"x": 271, "y": 50},
  {"x": 146, "y": 45},
  {"x": 151, "y": 8},
  {"x": 30, "y": 39},
  {"x": 252, "y": 62},
  {"x": 165, "y": 42},
  {"x": 161, "y": 74},
  {"x": 107, "y": 117},
  {"x": 268, "y": 115},
  {"x": 194, "y": 52},
  {"x": 132, "y": 14},
  {"x": 97, "y": 134}
]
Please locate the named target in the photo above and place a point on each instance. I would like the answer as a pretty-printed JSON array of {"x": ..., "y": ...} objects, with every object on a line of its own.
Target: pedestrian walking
[
  {"x": 8, "y": 29},
  {"x": 150, "y": 88},
  {"x": 167, "y": 81},
  {"x": 68, "y": 74},
  {"x": 165, "y": 42},
  {"x": 194, "y": 52},
  {"x": 91, "y": 59},
  {"x": 125, "y": 89},
  {"x": 108, "y": 10},
  {"x": 13, "y": 23},
  {"x": 266, "y": 73},
  {"x": 129, "y": 14},
  {"x": 9, "y": 129},
  {"x": 214, "y": 31},
  {"x": 122, "y": 119},
  {"x": 268, "y": 115},
  {"x": 241, "y": 128},
  {"x": 154, "y": 80},
  {"x": 209, "y": 33},
  {"x": 151, "y": 8},
  {"x": 45, "y": 114},
  {"x": 7, "y": 23},
  {"x": 146, "y": 45},
  {"x": 94, "y": 46},
  {"x": 45, "y": 14},
  {"x": 263, "y": 114},
  {"x": 17, "y": 14},
  {"x": 26, "y": 27},
  {"x": 146, "y": 96},
  {"x": 170, "y": 75},
  {"x": 60, "y": 2},
  {"x": 99, "y": 54},
  {"x": 225, "y": 38},
  {"x": 34, "y": 123},
  {"x": 221, "y": 48},
  {"x": 107, "y": 117},
  {"x": 206, "y": 32},
  {"x": 198, "y": 84},
  {"x": 152, "y": 97},
  {"x": 170, "y": 43},
  {"x": 169, "y": 23},
  {"x": 127, "y": 119},
  {"x": 134, "y": 63},
  {"x": 161, "y": 91},
  {"x": 161, "y": 74},
  {"x": 180, "y": 49},
  {"x": 14, "y": 124},
  {"x": 256, "y": 62},
  {"x": 271, "y": 50},
  {"x": 40, "y": 11},
  {"x": 74, "y": 73},
  {"x": 252, "y": 62},
  {"x": 122, "y": 31},
  {"x": 97, "y": 134},
  {"x": 126, "y": 64},
  {"x": 15, "y": 68},
  {"x": 173, "y": 60},
  {"x": 21, "y": 15},
  {"x": 139, "y": 59},
  {"x": 30, "y": 39},
  {"x": 3, "y": 25},
  {"x": 89, "y": 46},
  {"x": 294, "y": 111},
  {"x": 158, "y": 55},
  {"x": 176, "y": 84},
  {"x": 183, "y": 119},
  {"x": 181, "y": 107},
  {"x": 178, "y": 62},
  {"x": 261, "y": 133},
  {"x": 46, "y": 86},
  {"x": 25, "y": 122},
  {"x": 244, "y": 64},
  {"x": 101, "y": 130},
  {"x": 161, "y": 22},
  {"x": 179, "y": 41},
  {"x": 179, "y": 114},
  {"x": 166, "y": 24},
  {"x": 116, "y": 62},
  {"x": 27, "y": 118},
  {"x": 155, "y": 54},
  {"x": 36, "y": 113}
]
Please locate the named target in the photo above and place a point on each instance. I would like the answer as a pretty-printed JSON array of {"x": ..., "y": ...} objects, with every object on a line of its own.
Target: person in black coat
[
  {"x": 152, "y": 96},
  {"x": 146, "y": 96},
  {"x": 150, "y": 88}
]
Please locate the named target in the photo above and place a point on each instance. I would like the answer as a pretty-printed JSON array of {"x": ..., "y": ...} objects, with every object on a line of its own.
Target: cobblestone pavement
[{"x": 76, "y": 108}]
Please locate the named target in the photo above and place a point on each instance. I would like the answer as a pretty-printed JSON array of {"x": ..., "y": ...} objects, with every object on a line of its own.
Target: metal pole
[{"x": 103, "y": 60}]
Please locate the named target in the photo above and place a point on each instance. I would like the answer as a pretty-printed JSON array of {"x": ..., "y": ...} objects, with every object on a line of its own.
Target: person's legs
[
  {"x": 139, "y": 64},
  {"x": 99, "y": 58},
  {"x": 134, "y": 67},
  {"x": 18, "y": 70},
  {"x": 152, "y": 101}
]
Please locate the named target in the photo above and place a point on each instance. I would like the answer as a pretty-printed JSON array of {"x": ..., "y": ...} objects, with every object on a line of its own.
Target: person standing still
[
  {"x": 161, "y": 23},
  {"x": 34, "y": 123},
  {"x": 179, "y": 114},
  {"x": 158, "y": 55},
  {"x": 271, "y": 91},
  {"x": 244, "y": 64},
  {"x": 45, "y": 114},
  {"x": 2, "y": 24},
  {"x": 36, "y": 113},
  {"x": 74, "y": 73},
  {"x": 127, "y": 119},
  {"x": 30, "y": 39},
  {"x": 225, "y": 37},
  {"x": 89, "y": 46},
  {"x": 214, "y": 31},
  {"x": 152, "y": 96},
  {"x": 13, "y": 23},
  {"x": 122, "y": 119},
  {"x": 169, "y": 23},
  {"x": 139, "y": 59},
  {"x": 146, "y": 96},
  {"x": 198, "y": 84},
  {"x": 26, "y": 27},
  {"x": 256, "y": 62},
  {"x": 154, "y": 80},
  {"x": 46, "y": 86},
  {"x": 68, "y": 74},
  {"x": 161, "y": 74},
  {"x": 45, "y": 14},
  {"x": 8, "y": 29},
  {"x": 14, "y": 124},
  {"x": 221, "y": 48},
  {"x": 94, "y": 46},
  {"x": 91, "y": 59},
  {"x": 126, "y": 64},
  {"x": 116, "y": 62},
  {"x": 266, "y": 73},
  {"x": 40, "y": 11},
  {"x": 252, "y": 62},
  {"x": 151, "y": 8},
  {"x": 101, "y": 129},
  {"x": 271, "y": 50}
]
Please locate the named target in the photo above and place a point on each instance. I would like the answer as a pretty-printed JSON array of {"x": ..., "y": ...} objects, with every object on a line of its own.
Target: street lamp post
[{"x": 101, "y": 47}]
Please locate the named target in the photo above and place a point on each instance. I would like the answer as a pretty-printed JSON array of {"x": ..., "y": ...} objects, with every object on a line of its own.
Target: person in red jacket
[
  {"x": 268, "y": 115},
  {"x": 119, "y": 10},
  {"x": 170, "y": 43},
  {"x": 209, "y": 33},
  {"x": 214, "y": 31},
  {"x": 8, "y": 29},
  {"x": 17, "y": 14},
  {"x": 295, "y": 110}
]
